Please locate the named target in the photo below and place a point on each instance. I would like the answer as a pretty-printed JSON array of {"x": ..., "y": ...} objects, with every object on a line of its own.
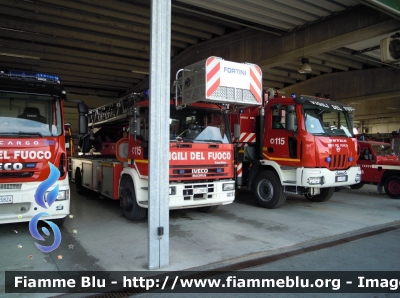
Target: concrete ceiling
[{"x": 100, "y": 49}]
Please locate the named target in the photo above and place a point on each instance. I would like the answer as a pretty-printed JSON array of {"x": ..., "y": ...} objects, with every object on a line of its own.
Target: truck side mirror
[
  {"x": 351, "y": 116},
  {"x": 135, "y": 126},
  {"x": 289, "y": 119},
  {"x": 83, "y": 118},
  {"x": 236, "y": 131}
]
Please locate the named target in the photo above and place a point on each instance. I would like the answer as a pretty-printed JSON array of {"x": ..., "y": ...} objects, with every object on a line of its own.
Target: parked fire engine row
[{"x": 222, "y": 132}]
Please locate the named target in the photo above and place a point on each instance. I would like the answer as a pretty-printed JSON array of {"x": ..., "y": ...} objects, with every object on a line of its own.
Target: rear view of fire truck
[
  {"x": 201, "y": 169},
  {"x": 31, "y": 141},
  {"x": 295, "y": 145}
]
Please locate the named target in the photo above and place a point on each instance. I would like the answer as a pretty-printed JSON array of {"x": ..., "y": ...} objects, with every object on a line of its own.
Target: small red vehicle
[{"x": 379, "y": 166}]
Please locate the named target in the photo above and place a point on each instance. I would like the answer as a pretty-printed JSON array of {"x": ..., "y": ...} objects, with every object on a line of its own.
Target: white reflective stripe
[
  {"x": 216, "y": 76},
  {"x": 247, "y": 137},
  {"x": 385, "y": 167},
  {"x": 240, "y": 169}
]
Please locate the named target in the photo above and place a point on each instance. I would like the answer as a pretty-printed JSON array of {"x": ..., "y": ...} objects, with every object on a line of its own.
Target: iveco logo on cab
[
  {"x": 8, "y": 166},
  {"x": 199, "y": 171}
]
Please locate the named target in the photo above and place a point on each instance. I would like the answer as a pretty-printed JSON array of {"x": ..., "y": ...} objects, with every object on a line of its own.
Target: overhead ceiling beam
[
  {"x": 330, "y": 42},
  {"x": 131, "y": 13},
  {"x": 287, "y": 74},
  {"x": 72, "y": 33},
  {"x": 272, "y": 84},
  {"x": 85, "y": 59},
  {"x": 68, "y": 43},
  {"x": 280, "y": 79},
  {"x": 346, "y": 54},
  {"x": 374, "y": 97},
  {"x": 226, "y": 8},
  {"x": 339, "y": 61},
  {"x": 375, "y": 116},
  {"x": 41, "y": 51}
]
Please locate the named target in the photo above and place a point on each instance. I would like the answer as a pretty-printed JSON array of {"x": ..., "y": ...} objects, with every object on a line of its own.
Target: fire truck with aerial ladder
[
  {"x": 294, "y": 145},
  {"x": 32, "y": 139},
  {"x": 114, "y": 162}
]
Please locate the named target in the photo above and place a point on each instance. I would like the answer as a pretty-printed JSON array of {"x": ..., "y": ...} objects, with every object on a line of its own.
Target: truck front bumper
[
  {"x": 22, "y": 206},
  {"x": 321, "y": 177}
]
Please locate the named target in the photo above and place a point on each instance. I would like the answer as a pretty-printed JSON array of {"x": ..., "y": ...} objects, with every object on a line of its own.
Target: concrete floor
[{"x": 106, "y": 241}]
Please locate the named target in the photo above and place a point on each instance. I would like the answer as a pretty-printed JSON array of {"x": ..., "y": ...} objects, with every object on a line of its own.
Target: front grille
[
  {"x": 189, "y": 191},
  {"x": 9, "y": 186},
  {"x": 16, "y": 175},
  {"x": 338, "y": 161}
]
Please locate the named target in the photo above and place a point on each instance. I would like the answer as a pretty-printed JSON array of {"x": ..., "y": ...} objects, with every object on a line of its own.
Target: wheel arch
[
  {"x": 139, "y": 184},
  {"x": 257, "y": 167},
  {"x": 389, "y": 173}
]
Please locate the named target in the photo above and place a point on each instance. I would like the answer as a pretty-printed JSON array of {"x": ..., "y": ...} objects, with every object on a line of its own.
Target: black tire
[
  {"x": 59, "y": 221},
  {"x": 78, "y": 183},
  {"x": 392, "y": 187},
  {"x": 208, "y": 209},
  {"x": 325, "y": 195},
  {"x": 269, "y": 191},
  {"x": 357, "y": 186},
  {"x": 238, "y": 192},
  {"x": 130, "y": 208}
]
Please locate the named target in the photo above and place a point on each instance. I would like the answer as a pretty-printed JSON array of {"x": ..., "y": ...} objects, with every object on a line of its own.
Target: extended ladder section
[
  {"x": 218, "y": 81},
  {"x": 116, "y": 111}
]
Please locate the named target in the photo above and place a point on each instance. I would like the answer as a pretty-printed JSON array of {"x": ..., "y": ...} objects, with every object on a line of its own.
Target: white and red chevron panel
[
  {"x": 232, "y": 82},
  {"x": 246, "y": 137}
]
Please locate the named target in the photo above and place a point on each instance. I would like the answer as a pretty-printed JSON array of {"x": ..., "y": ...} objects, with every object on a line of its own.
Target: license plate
[
  {"x": 6, "y": 199},
  {"x": 341, "y": 178},
  {"x": 199, "y": 190}
]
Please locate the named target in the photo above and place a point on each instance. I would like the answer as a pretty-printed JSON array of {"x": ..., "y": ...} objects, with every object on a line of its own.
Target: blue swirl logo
[{"x": 40, "y": 200}]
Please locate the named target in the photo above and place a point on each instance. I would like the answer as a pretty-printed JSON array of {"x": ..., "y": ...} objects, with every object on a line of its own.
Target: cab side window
[{"x": 278, "y": 119}]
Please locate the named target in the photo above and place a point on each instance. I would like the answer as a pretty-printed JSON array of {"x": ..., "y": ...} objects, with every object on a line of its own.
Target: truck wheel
[
  {"x": 357, "y": 186},
  {"x": 325, "y": 195},
  {"x": 59, "y": 221},
  {"x": 392, "y": 187},
  {"x": 130, "y": 208},
  {"x": 269, "y": 191},
  {"x": 208, "y": 209},
  {"x": 78, "y": 182}
]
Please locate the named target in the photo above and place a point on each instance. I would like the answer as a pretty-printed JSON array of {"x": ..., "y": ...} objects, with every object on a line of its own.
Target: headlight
[
  {"x": 314, "y": 180},
  {"x": 228, "y": 186},
  {"x": 62, "y": 195},
  {"x": 172, "y": 190}
]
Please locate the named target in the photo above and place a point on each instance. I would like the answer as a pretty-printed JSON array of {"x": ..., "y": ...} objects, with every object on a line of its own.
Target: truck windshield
[
  {"x": 383, "y": 150},
  {"x": 29, "y": 115},
  {"x": 327, "y": 121},
  {"x": 199, "y": 125}
]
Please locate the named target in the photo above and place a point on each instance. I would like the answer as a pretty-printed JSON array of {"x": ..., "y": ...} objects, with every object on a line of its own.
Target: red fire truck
[
  {"x": 201, "y": 170},
  {"x": 295, "y": 145},
  {"x": 379, "y": 166},
  {"x": 32, "y": 137}
]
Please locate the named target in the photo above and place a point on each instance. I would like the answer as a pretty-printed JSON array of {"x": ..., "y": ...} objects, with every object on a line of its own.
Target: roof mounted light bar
[{"x": 23, "y": 75}]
